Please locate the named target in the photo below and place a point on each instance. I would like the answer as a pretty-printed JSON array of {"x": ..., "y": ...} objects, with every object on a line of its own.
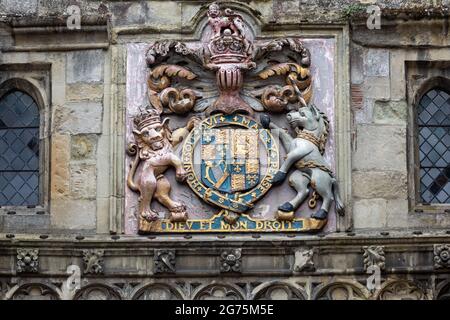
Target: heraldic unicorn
[{"x": 225, "y": 93}]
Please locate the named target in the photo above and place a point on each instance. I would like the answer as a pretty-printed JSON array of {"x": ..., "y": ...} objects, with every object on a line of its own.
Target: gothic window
[
  {"x": 433, "y": 122},
  {"x": 19, "y": 149}
]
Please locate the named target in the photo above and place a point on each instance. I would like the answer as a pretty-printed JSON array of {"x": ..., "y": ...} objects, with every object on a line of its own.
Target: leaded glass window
[
  {"x": 19, "y": 150},
  {"x": 433, "y": 121}
]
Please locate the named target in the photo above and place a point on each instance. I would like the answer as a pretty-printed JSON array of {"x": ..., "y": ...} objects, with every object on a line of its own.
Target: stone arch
[
  {"x": 157, "y": 291},
  {"x": 97, "y": 292},
  {"x": 443, "y": 291},
  {"x": 278, "y": 290},
  {"x": 218, "y": 291},
  {"x": 400, "y": 289},
  {"x": 341, "y": 290},
  {"x": 35, "y": 291}
]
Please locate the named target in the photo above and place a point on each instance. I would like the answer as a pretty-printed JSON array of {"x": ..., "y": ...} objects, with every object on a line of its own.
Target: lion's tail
[{"x": 340, "y": 209}]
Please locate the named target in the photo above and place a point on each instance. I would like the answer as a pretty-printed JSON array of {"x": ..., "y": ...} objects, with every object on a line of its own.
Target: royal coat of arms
[{"x": 223, "y": 90}]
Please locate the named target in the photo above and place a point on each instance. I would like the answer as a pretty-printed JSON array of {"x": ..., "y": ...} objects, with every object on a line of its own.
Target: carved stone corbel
[
  {"x": 441, "y": 256},
  {"x": 303, "y": 260},
  {"x": 374, "y": 256}
]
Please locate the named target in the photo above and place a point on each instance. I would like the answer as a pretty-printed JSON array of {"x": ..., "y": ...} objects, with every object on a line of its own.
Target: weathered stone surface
[
  {"x": 369, "y": 213},
  {"x": 59, "y": 169},
  {"x": 380, "y": 147},
  {"x": 15, "y": 7},
  {"x": 365, "y": 114},
  {"x": 376, "y": 63},
  {"x": 377, "y": 88},
  {"x": 85, "y": 66},
  {"x": 379, "y": 184},
  {"x": 79, "y": 117},
  {"x": 357, "y": 64},
  {"x": 84, "y": 91},
  {"x": 392, "y": 112},
  {"x": 83, "y": 181},
  {"x": 83, "y": 146},
  {"x": 73, "y": 214}
]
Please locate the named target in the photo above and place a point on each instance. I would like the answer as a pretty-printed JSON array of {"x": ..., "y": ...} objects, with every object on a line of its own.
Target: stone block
[
  {"x": 369, "y": 214},
  {"x": 83, "y": 181},
  {"x": 377, "y": 88},
  {"x": 398, "y": 83},
  {"x": 390, "y": 112},
  {"x": 83, "y": 146},
  {"x": 84, "y": 91},
  {"x": 26, "y": 222},
  {"x": 376, "y": 63},
  {"x": 379, "y": 184},
  {"x": 380, "y": 148},
  {"x": 79, "y": 117},
  {"x": 73, "y": 214},
  {"x": 365, "y": 114},
  {"x": 59, "y": 165},
  {"x": 85, "y": 66}
]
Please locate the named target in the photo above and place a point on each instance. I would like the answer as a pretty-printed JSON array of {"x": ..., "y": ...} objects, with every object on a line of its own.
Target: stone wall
[{"x": 81, "y": 78}]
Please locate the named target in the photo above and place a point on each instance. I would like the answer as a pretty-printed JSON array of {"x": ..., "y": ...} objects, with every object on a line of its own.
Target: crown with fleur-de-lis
[{"x": 146, "y": 117}]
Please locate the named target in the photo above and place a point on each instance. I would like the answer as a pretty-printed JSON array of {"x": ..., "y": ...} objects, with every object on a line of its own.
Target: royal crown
[{"x": 146, "y": 118}]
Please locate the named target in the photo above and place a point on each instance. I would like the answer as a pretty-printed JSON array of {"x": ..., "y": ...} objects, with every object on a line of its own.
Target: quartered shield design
[{"x": 230, "y": 159}]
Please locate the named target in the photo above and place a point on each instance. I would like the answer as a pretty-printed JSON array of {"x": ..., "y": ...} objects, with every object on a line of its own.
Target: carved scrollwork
[
  {"x": 97, "y": 292},
  {"x": 161, "y": 95}
]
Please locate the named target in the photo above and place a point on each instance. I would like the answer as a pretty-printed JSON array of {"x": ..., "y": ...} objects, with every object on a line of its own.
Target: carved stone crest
[{"x": 223, "y": 90}]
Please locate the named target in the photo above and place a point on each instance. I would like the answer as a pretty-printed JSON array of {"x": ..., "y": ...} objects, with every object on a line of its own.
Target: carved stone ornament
[
  {"x": 441, "y": 256},
  {"x": 27, "y": 260},
  {"x": 374, "y": 256},
  {"x": 231, "y": 260},
  {"x": 304, "y": 260},
  {"x": 164, "y": 261},
  {"x": 221, "y": 89},
  {"x": 93, "y": 261}
]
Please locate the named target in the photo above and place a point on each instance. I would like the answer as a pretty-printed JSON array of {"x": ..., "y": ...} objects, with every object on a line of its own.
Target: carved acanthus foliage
[
  {"x": 231, "y": 260},
  {"x": 93, "y": 261},
  {"x": 441, "y": 256},
  {"x": 164, "y": 261},
  {"x": 304, "y": 260},
  {"x": 374, "y": 256},
  {"x": 27, "y": 260}
]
